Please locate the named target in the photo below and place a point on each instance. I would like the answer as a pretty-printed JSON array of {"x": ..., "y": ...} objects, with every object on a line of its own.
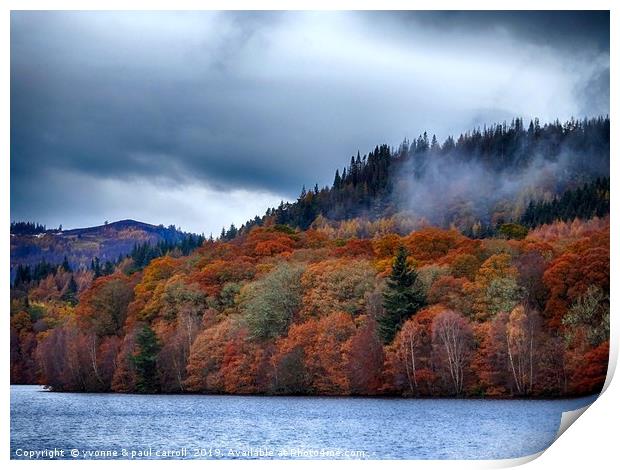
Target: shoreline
[{"x": 276, "y": 395}]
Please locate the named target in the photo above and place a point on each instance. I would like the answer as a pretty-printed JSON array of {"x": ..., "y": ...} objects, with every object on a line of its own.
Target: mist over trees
[
  {"x": 344, "y": 292},
  {"x": 584, "y": 202},
  {"x": 475, "y": 182}
]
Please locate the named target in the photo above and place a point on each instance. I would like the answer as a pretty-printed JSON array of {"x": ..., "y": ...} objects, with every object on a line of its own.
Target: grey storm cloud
[{"x": 264, "y": 102}]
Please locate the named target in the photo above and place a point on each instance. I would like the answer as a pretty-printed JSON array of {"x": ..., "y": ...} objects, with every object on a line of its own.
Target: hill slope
[
  {"x": 81, "y": 245},
  {"x": 355, "y": 305}
]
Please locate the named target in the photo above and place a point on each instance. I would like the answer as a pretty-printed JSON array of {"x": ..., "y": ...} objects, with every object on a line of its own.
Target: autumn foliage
[{"x": 278, "y": 311}]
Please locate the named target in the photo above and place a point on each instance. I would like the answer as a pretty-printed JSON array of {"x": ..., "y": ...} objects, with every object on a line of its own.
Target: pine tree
[
  {"x": 70, "y": 294},
  {"x": 402, "y": 298},
  {"x": 231, "y": 233},
  {"x": 22, "y": 275},
  {"x": 66, "y": 266},
  {"x": 95, "y": 266},
  {"x": 337, "y": 180},
  {"x": 145, "y": 361},
  {"x": 108, "y": 268}
]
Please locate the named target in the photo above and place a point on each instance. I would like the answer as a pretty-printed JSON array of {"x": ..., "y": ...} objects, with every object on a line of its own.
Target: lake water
[{"x": 210, "y": 427}]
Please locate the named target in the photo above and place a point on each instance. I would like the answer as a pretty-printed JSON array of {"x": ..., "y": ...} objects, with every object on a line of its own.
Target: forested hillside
[
  {"x": 33, "y": 246},
  {"x": 480, "y": 179},
  {"x": 277, "y": 311},
  {"x": 359, "y": 289}
]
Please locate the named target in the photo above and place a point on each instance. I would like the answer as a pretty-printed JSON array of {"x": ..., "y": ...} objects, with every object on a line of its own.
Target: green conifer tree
[
  {"x": 66, "y": 266},
  {"x": 145, "y": 361},
  {"x": 70, "y": 294},
  {"x": 402, "y": 298}
]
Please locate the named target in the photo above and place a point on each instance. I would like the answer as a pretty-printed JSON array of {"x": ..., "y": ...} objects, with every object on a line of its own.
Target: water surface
[{"x": 209, "y": 427}]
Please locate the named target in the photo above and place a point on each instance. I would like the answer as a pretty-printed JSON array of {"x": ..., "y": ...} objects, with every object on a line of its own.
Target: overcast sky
[{"x": 203, "y": 119}]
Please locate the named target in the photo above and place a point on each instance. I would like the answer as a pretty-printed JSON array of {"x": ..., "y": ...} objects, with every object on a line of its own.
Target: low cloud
[{"x": 261, "y": 103}]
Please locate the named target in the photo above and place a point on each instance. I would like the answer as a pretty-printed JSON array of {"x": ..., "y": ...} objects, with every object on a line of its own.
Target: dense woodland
[
  {"x": 589, "y": 200},
  {"x": 574, "y": 152},
  {"x": 335, "y": 294},
  {"x": 27, "y": 228},
  {"x": 27, "y": 276}
]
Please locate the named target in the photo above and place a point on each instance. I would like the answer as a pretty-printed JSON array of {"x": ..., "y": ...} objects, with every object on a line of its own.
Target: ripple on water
[{"x": 384, "y": 428}]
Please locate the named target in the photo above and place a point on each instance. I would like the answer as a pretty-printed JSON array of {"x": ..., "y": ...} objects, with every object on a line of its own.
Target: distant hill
[{"x": 81, "y": 245}]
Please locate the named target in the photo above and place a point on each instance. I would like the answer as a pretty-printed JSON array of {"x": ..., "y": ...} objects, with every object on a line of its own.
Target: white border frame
[{"x": 591, "y": 442}]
